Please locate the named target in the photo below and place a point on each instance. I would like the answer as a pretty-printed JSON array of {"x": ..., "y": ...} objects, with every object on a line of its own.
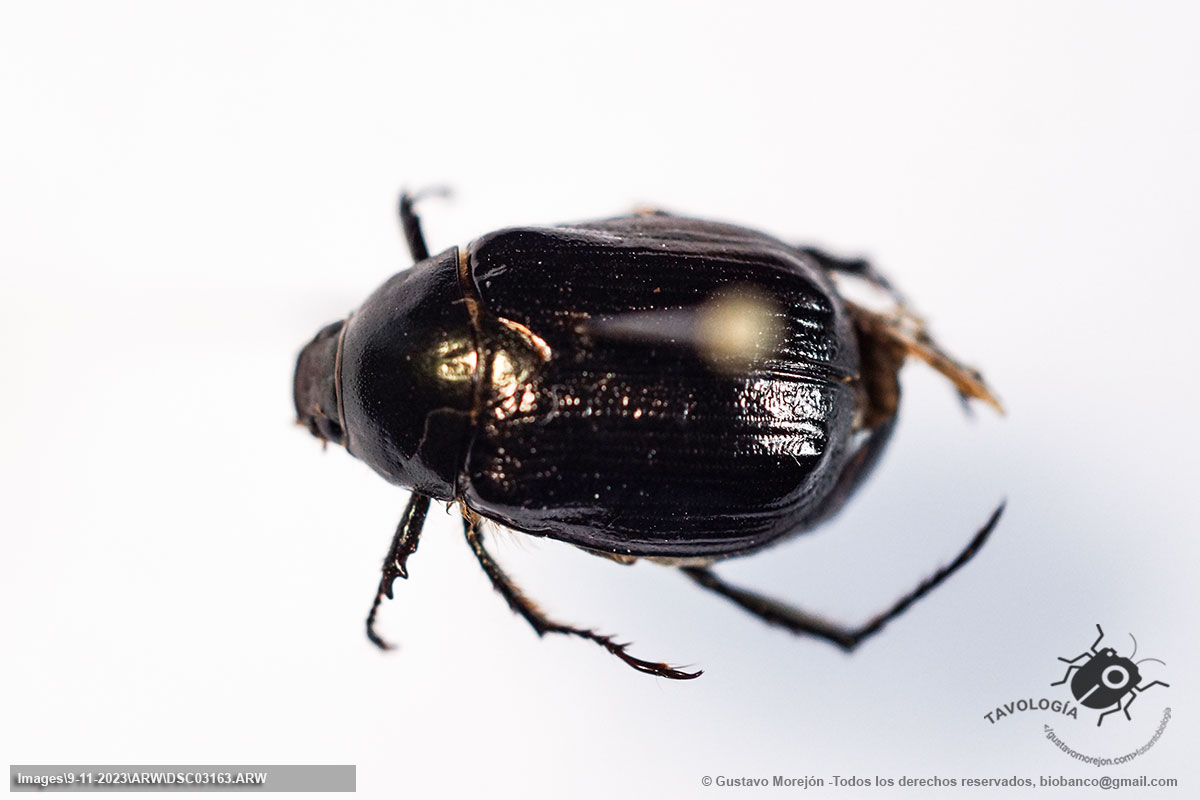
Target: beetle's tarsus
[
  {"x": 659, "y": 668},
  {"x": 404, "y": 544},
  {"x": 542, "y": 625},
  {"x": 965, "y": 401},
  {"x": 375, "y": 638},
  {"x": 908, "y": 331},
  {"x": 775, "y": 612}
]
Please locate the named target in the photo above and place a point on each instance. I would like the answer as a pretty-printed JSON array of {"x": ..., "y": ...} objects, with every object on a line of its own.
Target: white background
[{"x": 190, "y": 190}]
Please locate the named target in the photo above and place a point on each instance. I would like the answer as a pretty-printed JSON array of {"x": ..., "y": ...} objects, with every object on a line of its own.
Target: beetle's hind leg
[
  {"x": 1118, "y": 707},
  {"x": 411, "y": 223},
  {"x": 1133, "y": 695},
  {"x": 525, "y": 607},
  {"x": 775, "y": 612}
]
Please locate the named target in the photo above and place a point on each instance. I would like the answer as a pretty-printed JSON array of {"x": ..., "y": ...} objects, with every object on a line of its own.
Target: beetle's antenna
[
  {"x": 1159, "y": 660},
  {"x": 1134, "y": 653}
]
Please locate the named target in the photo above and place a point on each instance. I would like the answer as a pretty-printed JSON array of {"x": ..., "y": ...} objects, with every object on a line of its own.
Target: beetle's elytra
[{"x": 645, "y": 386}]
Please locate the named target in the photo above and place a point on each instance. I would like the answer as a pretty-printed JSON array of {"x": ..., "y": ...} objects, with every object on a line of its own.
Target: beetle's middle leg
[
  {"x": 775, "y": 612},
  {"x": 525, "y": 607},
  {"x": 1090, "y": 652}
]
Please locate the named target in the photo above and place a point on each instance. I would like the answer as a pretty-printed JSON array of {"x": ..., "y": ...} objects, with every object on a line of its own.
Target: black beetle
[
  {"x": 648, "y": 386},
  {"x": 1105, "y": 679}
]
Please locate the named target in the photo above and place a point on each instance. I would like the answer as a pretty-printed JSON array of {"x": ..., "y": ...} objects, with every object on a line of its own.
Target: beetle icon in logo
[{"x": 1106, "y": 680}]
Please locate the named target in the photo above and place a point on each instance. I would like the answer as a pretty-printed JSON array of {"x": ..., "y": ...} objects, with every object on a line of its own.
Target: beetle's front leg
[
  {"x": 1069, "y": 669},
  {"x": 404, "y": 544},
  {"x": 858, "y": 267},
  {"x": 411, "y": 223},
  {"x": 775, "y": 612},
  {"x": 525, "y": 607}
]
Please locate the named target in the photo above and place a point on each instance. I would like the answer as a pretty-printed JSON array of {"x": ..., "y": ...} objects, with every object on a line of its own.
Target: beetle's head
[{"x": 315, "y": 390}]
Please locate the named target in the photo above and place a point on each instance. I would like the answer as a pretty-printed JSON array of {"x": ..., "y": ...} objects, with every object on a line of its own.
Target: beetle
[
  {"x": 648, "y": 386},
  {"x": 1106, "y": 679}
]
